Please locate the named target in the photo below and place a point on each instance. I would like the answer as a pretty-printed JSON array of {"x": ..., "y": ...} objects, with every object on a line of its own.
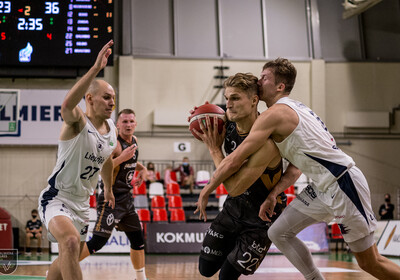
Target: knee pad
[
  {"x": 208, "y": 268},
  {"x": 228, "y": 272},
  {"x": 96, "y": 243},
  {"x": 136, "y": 239}
]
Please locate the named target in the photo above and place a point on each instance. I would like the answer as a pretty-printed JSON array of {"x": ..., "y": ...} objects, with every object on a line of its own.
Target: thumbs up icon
[{"x": 25, "y": 53}]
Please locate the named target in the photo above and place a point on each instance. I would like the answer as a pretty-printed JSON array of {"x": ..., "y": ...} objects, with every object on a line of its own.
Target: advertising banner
[
  {"x": 175, "y": 238},
  {"x": 389, "y": 243}
]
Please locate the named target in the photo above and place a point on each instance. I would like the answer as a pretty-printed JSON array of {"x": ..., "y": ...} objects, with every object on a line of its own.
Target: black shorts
[
  {"x": 239, "y": 235},
  {"x": 123, "y": 217}
]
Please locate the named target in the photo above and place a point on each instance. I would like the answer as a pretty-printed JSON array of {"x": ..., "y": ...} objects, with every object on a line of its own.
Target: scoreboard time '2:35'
[{"x": 54, "y": 33}]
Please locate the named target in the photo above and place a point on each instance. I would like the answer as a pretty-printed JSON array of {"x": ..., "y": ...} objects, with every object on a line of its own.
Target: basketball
[{"x": 200, "y": 114}]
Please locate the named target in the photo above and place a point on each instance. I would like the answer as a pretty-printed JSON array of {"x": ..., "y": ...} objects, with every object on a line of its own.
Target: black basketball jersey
[
  {"x": 33, "y": 225},
  {"x": 259, "y": 190},
  {"x": 123, "y": 173}
]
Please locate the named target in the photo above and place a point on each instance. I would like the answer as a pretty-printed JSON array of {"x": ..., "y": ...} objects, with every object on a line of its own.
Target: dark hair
[
  {"x": 126, "y": 111},
  {"x": 34, "y": 211},
  {"x": 246, "y": 82},
  {"x": 284, "y": 72}
]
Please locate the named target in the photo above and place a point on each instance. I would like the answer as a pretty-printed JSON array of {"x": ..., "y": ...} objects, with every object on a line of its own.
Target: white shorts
[
  {"x": 52, "y": 204},
  {"x": 347, "y": 202}
]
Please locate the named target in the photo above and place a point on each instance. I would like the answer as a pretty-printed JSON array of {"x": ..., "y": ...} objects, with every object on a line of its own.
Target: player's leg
[
  {"x": 361, "y": 223},
  {"x": 228, "y": 272},
  {"x": 137, "y": 253},
  {"x": 28, "y": 238},
  {"x": 68, "y": 238},
  {"x": 283, "y": 234},
  {"x": 217, "y": 244},
  {"x": 39, "y": 243},
  {"x": 374, "y": 263},
  {"x": 93, "y": 245}
]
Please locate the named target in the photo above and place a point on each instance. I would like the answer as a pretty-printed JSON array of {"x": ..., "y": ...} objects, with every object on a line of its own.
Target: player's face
[
  {"x": 104, "y": 100},
  {"x": 267, "y": 86},
  {"x": 126, "y": 124},
  {"x": 239, "y": 106}
]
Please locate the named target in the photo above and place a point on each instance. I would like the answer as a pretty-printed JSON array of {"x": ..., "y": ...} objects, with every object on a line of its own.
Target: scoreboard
[{"x": 54, "y": 33}]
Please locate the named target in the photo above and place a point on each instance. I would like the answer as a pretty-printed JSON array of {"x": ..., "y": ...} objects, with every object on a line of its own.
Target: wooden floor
[{"x": 333, "y": 266}]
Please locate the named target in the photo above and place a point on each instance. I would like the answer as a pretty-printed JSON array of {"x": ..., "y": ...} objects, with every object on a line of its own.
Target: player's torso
[
  {"x": 259, "y": 190},
  {"x": 80, "y": 160},
  {"x": 124, "y": 173},
  {"x": 312, "y": 149}
]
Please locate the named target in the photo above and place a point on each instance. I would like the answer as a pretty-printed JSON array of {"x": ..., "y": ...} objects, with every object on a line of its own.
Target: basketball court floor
[{"x": 333, "y": 266}]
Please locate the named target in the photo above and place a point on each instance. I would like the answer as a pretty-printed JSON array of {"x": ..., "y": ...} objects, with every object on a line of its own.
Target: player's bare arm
[
  {"x": 253, "y": 168},
  {"x": 142, "y": 176},
  {"x": 73, "y": 116},
  {"x": 214, "y": 141},
  {"x": 292, "y": 173},
  {"x": 259, "y": 134},
  {"x": 106, "y": 175}
]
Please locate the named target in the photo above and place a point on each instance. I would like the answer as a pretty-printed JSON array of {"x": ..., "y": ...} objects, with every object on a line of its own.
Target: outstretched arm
[{"x": 69, "y": 110}]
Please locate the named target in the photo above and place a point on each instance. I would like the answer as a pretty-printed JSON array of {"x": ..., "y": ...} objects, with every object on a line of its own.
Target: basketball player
[
  {"x": 339, "y": 189},
  {"x": 124, "y": 216},
  {"x": 237, "y": 240},
  {"x": 86, "y": 142}
]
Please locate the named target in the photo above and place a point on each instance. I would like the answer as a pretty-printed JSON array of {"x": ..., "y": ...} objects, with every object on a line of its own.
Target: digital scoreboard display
[{"x": 54, "y": 33}]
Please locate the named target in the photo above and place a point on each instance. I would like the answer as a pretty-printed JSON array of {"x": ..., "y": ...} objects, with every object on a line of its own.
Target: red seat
[
  {"x": 140, "y": 190},
  {"x": 290, "y": 190},
  {"x": 160, "y": 215},
  {"x": 92, "y": 201},
  {"x": 220, "y": 191},
  {"x": 177, "y": 215},
  {"x": 175, "y": 202},
  {"x": 158, "y": 202},
  {"x": 173, "y": 189},
  {"x": 336, "y": 233},
  {"x": 290, "y": 198},
  {"x": 173, "y": 176},
  {"x": 144, "y": 215},
  {"x": 158, "y": 176}
]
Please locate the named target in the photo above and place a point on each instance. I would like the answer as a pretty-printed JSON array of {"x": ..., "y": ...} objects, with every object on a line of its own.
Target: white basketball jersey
[
  {"x": 312, "y": 149},
  {"x": 79, "y": 161}
]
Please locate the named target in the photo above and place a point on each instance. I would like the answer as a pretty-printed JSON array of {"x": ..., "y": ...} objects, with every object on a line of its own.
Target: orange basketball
[{"x": 200, "y": 114}]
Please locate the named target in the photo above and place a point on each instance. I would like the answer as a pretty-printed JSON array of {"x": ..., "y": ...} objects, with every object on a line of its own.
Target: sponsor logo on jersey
[
  {"x": 214, "y": 233},
  {"x": 110, "y": 219},
  {"x": 93, "y": 158},
  {"x": 258, "y": 248},
  {"x": 207, "y": 250},
  {"x": 310, "y": 192}
]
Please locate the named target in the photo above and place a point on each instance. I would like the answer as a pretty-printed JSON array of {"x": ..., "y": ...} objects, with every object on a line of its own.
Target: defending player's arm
[
  {"x": 106, "y": 175},
  {"x": 73, "y": 116},
  {"x": 292, "y": 173},
  {"x": 259, "y": 134},
  {"x": 253, "y": 168}
]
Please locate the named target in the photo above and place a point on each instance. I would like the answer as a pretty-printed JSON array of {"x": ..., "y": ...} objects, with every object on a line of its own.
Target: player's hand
[
  {"x": 102, "y": 57},
  {"x": 201, "y": 206},
  {"x": 210, "y": 135},
  {"x": 140, "y": 178},
  {"x": 128, "y": 153},
  {"x": 194, "y": 109},
  {"x": 267, "y": 207},
  {"x": 109, "y": 197}
]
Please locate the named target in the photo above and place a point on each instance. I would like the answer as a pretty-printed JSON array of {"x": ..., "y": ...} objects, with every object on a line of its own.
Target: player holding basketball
[
  {"x": 124, "y": 216},
  {"x": 85, "y": 145},
  {"x": 237, "y": 240},
  {"x": 339, "y": 189}
]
